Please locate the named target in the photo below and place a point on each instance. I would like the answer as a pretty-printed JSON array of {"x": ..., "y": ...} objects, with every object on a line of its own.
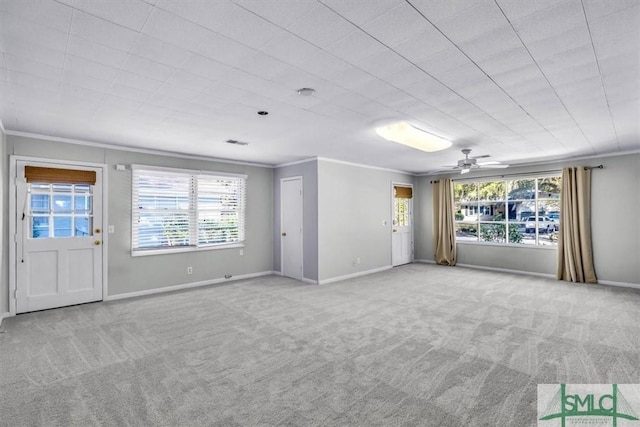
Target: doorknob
[
  {"x": 97, "y": 231},
  {"x": 394, "y": 230},
  {"x": 284, "y": 234},
  {"x": 97, "y": 242}
]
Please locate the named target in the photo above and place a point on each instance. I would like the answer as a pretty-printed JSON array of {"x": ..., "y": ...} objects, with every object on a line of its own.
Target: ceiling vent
[{"x": 233, "y": 141}]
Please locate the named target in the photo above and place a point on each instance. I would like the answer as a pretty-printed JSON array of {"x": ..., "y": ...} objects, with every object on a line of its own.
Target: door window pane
[
  {"x": 60, "y": 210},
  {"x": 61, "y": 203},
  {"x": 40, "y": 203},
  {"x": 62, "y": 226},
  {"x": 82, "y": 226},
  {"x": 40, "y": 227},
  {"x": 82, "y": 203}
]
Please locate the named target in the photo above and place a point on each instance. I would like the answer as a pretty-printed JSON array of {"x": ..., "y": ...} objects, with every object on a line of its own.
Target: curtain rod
[{"x": 518, "y": 174}]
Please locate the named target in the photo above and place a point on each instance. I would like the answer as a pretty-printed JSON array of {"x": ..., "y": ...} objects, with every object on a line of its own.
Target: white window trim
[{"x": 190, "y": 248}]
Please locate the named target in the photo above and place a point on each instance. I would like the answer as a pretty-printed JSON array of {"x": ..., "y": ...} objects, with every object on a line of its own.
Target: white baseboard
[
  {"x": 425, "y": 261},
  {"x": 351, "y": 276},
  {"x": 505, "y": 270},
  {"x": 549, "y": 276},
  {"x": 4, "y": 316},
  {"x": 619, "y": 284},
  {"x": 186, "y": 286},
  {"x": 304, "y": 279}
]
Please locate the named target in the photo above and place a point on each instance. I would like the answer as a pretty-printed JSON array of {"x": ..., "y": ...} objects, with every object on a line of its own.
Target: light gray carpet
[{"x": 417, "y": 345}]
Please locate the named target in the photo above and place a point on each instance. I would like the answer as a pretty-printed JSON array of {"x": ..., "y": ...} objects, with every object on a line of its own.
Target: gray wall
[
  {"x": 309, "y": 173},
  {"x": 615, "y": 228},
  {"x": 4, "y": 227},
  {"x": 131, "y": 274},
  {"x": 353, "y": 202}
]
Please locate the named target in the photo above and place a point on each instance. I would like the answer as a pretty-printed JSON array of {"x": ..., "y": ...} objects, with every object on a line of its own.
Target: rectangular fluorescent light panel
[{"x": 406, "y": 134}]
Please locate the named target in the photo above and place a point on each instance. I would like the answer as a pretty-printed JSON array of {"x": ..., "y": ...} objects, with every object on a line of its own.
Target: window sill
[
  {"x": 178, "y": 249},
  {"x": 510, "y": 245}
]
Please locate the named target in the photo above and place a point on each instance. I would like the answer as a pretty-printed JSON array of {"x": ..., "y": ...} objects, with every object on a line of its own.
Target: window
[
  {"x": 60, "y": 210},
  {"x": 401, "y": 199},
  {"x": 185, "y": 210},
  {"x": 521, "y": 211}
]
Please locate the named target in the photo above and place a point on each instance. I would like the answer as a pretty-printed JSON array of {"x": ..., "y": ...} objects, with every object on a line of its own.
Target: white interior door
[
  {"x": 402, "y": 230},
  {"x": 58, "y": 235},
  {"x": 291, "y": 227}
]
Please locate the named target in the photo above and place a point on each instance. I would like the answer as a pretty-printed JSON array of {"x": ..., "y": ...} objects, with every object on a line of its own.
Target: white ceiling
[{"x": 521, "y": 80}]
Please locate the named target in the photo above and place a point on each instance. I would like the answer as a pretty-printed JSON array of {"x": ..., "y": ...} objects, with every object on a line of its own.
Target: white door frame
[
  {"x": 13, "y": 219},
  {"x": 282, "y": 180},
  {"x": 401, "y": 184}
]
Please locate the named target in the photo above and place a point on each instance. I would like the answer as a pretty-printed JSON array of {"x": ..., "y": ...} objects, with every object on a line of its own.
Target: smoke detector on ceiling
[{"x": 306, "y": 91}]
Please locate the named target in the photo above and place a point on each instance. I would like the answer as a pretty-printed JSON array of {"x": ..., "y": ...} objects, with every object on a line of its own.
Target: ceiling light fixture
[
  {"x": 306, "y": 91},
  {"x": 263, "y": 113},
  {"x": 406, "y": 134}
]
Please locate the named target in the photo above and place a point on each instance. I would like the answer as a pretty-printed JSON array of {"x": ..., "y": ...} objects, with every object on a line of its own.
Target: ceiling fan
[{"x": 468, "y": 163}]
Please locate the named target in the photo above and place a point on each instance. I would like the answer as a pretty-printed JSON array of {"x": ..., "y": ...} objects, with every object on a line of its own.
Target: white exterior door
[
  {"x": 291, "y": 227},
  {"x": 402, "y": 230},
  {"x": 58, "y": 235}
]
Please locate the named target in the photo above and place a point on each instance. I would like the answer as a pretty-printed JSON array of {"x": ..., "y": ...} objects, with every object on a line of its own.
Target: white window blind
[
  {"x": 220, "y": 209},
  {"x": 185, "y": 209}
]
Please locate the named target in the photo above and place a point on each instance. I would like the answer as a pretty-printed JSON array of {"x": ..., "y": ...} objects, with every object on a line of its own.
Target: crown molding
[
  {"x": 546, "y": 162},
  {"x": 132, "y": 149},
  {"x": 360, "y": 165},
  {"x": 297, "y": 162}
]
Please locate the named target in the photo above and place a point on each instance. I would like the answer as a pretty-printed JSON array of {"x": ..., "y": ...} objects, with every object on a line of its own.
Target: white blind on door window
[{"x": 173, "y": 209}]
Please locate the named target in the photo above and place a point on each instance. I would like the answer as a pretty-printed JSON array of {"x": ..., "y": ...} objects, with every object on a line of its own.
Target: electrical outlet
[
  {"x": 241, "y": 252},
  {"x": 189, "y": 270},
  {"x": 357, "y": 260}
]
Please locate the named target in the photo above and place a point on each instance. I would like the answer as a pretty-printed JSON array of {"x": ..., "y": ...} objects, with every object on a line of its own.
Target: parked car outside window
[{"x": 545, "y": 225}]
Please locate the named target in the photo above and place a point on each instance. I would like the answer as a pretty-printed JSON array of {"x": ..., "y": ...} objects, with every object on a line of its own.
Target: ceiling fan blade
[
  {"x": 480, "y": 157},
  {"x": 493, "y": 162},
  {"x": 494, "y": 166}
]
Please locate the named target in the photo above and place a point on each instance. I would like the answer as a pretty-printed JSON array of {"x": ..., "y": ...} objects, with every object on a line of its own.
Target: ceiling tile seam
[
  {"x": 492, "y": 80},
  {"x": 435, "y": 79},
  {"x": 245, "y": 45},
  {"x": 10, "y": 98},
  {"x": 329, "y": 53},
  {"x": 439, "y": 82},
  {"x": 190, "y": 100},
  {"x": 397, "y": 88},
  {"x": 102, "y": 18},
  {"x": 120, "y": 70},
  {"x": 631, "y": 5},
  {"x": 348, "y": 90},
  {"x": 545, "y": 77},
  {"x": 64, "y": 61},
  {"x": 604, "y": 91},
  {"x": 128, "y": 53}
]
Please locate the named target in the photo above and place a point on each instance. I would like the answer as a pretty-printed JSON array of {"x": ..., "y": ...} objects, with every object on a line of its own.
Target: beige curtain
[
  {"x": 444, "y": 233},
  {"x": 575, "y": 255}
]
